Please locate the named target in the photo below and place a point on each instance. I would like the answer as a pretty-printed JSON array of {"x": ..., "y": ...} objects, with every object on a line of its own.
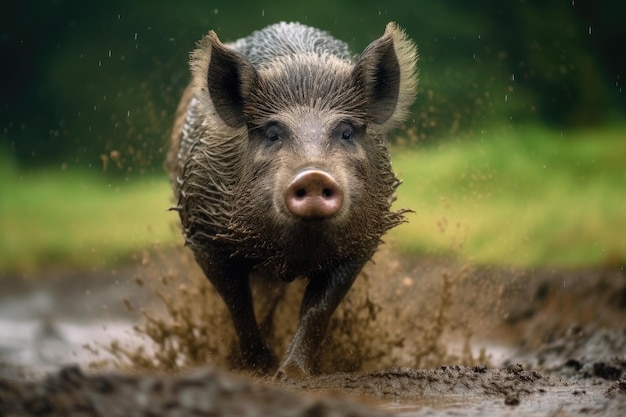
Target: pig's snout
[{"x": 313, "y": 194}]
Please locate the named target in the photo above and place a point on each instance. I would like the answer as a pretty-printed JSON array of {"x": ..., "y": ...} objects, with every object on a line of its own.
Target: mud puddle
[{"x": 420, "y": 337}]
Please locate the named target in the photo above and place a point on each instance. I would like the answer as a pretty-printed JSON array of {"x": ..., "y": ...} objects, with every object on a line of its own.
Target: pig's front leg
[
  {"x": 321, "y": 298},
  {"x": 231, "y": 279}
]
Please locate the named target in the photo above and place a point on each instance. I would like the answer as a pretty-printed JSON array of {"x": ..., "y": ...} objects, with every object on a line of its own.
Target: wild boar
[{"x": 280, "y": 167}]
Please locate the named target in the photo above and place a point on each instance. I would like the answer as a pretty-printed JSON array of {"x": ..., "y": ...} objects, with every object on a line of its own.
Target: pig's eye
[
  {"x": 272, "y": 136},
  {"x": 273, "y": 133},
  {"x": 347, "y": 131}
]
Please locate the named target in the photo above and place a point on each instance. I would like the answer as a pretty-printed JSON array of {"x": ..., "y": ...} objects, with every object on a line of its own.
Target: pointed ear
[
  {"x": 386, "y": 71},
  {"x": 224, "y": 77}
]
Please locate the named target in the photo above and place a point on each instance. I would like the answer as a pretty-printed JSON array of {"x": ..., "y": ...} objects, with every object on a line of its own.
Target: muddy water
[{"x": 414, "y": 337}]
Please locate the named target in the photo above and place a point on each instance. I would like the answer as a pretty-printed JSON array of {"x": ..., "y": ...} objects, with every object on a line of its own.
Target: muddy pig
[{"x": 280, "y": 167}]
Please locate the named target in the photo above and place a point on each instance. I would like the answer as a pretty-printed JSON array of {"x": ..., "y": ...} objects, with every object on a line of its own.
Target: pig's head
[{"x": 316, "y": 182}]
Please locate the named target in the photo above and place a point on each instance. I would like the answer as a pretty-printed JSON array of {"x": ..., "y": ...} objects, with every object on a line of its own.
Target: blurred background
[{"x": 514, "y": 153}]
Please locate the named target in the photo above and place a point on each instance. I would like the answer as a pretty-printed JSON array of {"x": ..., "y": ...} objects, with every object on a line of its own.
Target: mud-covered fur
[{"x": 260, "y": 110}]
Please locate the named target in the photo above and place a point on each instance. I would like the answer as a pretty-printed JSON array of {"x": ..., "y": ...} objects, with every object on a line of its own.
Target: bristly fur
[
  {"x": 289, "y": 39},
  {"x": 320, "y": 81}
]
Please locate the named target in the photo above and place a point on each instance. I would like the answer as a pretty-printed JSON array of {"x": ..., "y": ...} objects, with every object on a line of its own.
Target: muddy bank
[
  {"x": 205, "y": 392},
  {"x": 414, "y": 337},
  {"x": 210, "y": 392}
]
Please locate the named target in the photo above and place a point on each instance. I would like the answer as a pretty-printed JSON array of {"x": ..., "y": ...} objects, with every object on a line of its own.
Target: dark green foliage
[{"x": 85, "y": 82}]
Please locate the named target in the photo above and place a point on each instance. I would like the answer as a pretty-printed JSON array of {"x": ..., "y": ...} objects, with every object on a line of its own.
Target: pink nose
[{"x": 313, "y": 194}]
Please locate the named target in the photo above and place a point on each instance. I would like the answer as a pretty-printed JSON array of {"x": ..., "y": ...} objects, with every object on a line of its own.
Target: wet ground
[{"x": 415, "y": 337}]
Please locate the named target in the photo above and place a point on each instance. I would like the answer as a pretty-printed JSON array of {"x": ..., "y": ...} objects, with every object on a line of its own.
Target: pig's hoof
[
  {"x": 263, "y": 362},
  {"x": 291, "y": 370}
]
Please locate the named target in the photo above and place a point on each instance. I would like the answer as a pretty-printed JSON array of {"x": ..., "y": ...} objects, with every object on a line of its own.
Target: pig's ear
[
  {"x": 386, "y": 70},
  {"x": 223, "y": 77}
]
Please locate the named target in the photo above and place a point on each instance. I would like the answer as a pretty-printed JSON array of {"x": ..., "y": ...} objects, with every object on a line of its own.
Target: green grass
[
  {"x": 79, "y": 219},
  {"x": 527, "y": 197}
]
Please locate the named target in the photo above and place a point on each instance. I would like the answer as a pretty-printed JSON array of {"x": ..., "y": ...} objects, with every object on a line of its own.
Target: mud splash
[{"x": 394, "y": 315}]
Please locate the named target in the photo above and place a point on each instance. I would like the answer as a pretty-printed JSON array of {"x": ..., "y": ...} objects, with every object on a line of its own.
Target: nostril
[
  {"x": 300, "y": 193},
  {"x": 327, "y": 193}
]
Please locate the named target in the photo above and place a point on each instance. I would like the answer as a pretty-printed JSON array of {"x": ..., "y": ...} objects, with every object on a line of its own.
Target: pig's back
[{"x": 284, "y": 39}]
